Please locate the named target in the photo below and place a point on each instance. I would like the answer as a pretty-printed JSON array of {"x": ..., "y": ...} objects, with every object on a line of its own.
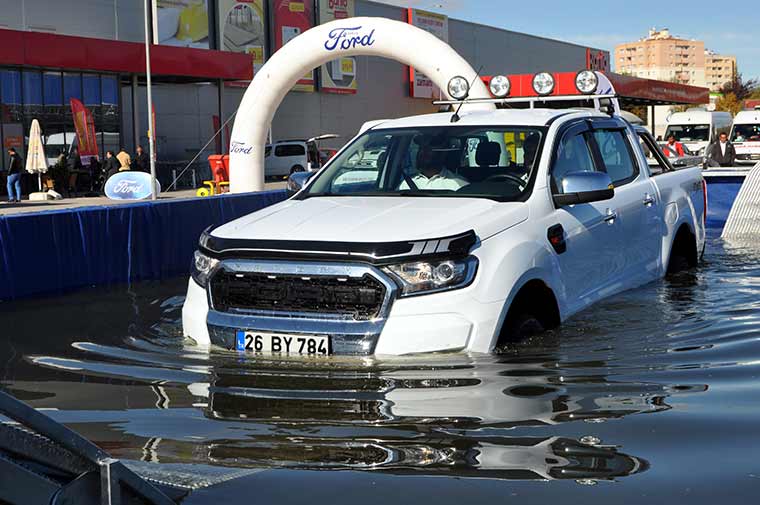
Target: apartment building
[
  {"x": 719, "y": 69},
  {"x": 663, "y": 57}
]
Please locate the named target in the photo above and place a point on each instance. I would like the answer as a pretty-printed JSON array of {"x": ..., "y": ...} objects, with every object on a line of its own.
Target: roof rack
[{"x": 605, "y": 103}]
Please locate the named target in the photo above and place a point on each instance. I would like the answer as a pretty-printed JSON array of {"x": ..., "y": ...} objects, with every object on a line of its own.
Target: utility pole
[{"x": 151, "y": 133}]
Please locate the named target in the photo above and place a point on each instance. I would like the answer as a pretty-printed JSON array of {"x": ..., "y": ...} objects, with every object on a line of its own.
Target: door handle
[
  {"x": 648, "y": 200},
  {"x": 611, "y": 216}
]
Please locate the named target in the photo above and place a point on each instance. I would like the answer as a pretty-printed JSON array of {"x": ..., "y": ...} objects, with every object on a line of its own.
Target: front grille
[
  {"x": 358, "y": 298},
  {"x": 748, "y": 156}
]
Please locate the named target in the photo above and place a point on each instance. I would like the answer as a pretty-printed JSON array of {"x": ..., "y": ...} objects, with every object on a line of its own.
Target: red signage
[
  {"x": 597, "y": 60},
  {"x": 85, "y": 128}
]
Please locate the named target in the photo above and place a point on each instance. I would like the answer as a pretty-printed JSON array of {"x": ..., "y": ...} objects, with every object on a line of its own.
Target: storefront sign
[
  {"x": 181, "y": 23},
  {"x": 339, "y": 76},
  {"x": 420, "y": 86},
  {"x": 597, "y": 60},
  {"x": 242, "y": 25},
  {"x": 290, "y": 18},
  {"x": 130, "y": 186}
]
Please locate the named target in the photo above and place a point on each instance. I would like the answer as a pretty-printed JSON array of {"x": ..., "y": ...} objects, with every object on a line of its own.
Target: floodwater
[{"x": 652, "y": 397}]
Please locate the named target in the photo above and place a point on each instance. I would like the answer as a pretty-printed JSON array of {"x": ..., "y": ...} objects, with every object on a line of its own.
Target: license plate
[{"x": 258, "y": 342}]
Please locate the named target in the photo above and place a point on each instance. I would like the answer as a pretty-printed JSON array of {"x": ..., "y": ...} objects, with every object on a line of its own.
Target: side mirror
[
  {"x": 584, "y": 187},
  {"x": 297, "y": 181}
]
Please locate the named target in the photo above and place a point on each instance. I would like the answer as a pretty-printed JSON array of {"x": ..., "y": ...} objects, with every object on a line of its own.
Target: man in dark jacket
[
  {"x": 15, "y": 166},
  {"x": 111, "y": 166},
  {"x": 141, "y": 161},
  {"x": 722, "y": 151}
]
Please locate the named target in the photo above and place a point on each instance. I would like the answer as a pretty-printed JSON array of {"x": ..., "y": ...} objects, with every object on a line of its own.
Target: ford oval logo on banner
[{"x": 130, "y": 185}]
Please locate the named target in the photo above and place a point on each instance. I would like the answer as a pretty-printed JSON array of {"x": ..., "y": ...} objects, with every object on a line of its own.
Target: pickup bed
[{"x": 427, "y": 235}]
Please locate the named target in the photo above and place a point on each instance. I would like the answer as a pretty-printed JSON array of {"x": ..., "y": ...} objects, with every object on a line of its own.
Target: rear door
[
  {"x": 590, "y": 229},
  {"x": 637, "y": 203}
]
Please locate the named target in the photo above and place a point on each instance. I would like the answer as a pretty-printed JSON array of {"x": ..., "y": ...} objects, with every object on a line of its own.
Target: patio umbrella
[{"x": 36, "y": 162}]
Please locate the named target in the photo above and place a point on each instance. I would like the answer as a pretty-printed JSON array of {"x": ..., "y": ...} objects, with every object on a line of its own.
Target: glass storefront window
[
  {"x": 91, "y": 85},
  {"x": 52, "y": 90},
  {"x": 11, "y": 129},
  {"x": 32, "y": 94}
]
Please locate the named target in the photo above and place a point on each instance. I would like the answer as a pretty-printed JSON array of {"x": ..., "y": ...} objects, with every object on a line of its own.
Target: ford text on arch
[{"x": 348, "y": 38}]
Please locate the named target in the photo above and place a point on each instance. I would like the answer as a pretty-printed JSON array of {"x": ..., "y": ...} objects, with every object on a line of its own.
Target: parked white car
[
  {"x": 697, "y": 128},
  {"x": 463, "y": 236},
  {"x": 286, "y": 157},
  {"x": 745, "y": 135}
]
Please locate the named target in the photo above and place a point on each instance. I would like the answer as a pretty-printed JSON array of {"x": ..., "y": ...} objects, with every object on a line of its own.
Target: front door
[{"x": 591, "y": 230}]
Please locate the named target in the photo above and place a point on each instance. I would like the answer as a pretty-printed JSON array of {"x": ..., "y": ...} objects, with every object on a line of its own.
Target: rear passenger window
[
  {"x": 573, "y": 155},
  {"x": 290, "y": 150},
  {"x": 616, "y": 154}
]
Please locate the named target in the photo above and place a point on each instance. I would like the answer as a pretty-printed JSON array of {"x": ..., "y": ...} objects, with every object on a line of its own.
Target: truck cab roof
[{"x": 523, "y": 117}]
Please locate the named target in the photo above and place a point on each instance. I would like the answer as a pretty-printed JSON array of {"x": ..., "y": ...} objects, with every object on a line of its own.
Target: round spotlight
[
  {"x": 586, "y": 81},
  {"x": 500, "y": 86},
  {"x": 459, "y": 88},
  {"x": 543, "y": 83}
]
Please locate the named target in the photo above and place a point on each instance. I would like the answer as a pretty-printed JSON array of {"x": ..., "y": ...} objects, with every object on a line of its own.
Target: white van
[
  {"x": 745, "y": 136},
  {"x": 697, "y": 128},
  {"x": 286, "y": 157}
]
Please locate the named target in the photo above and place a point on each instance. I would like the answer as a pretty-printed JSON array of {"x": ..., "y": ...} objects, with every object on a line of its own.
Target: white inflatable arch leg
[{"x": 347, "y": 37}]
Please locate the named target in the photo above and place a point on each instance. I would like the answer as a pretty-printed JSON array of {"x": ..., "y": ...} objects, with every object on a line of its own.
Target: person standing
[
  {"x": 15, "y": 166},
  {"x": 141, "y": 161},
  {"x": 722, "y": 151},
  {"x": 111, "y": 166},
  {"x": 675, "y": 148},
  {"x": 125, "y": 160}
]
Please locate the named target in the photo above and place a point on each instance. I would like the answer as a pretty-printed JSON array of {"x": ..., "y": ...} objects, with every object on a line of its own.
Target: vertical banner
[
  {"x": 338, "y": 76},
  {"x": 290, "y": 18},
  {"x": 243, "y": 29},
  {"x": 85, "y": 129},
  {"x": 420, "y": 86},
  {"x": 181, "y": 23}
]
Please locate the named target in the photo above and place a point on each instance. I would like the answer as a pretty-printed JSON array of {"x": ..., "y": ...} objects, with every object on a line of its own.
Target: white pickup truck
[{"x": 458, "y": 236}]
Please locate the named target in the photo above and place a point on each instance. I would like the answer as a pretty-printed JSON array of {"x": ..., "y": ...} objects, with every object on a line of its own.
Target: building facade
[
  {"x": 719, "y": 70},
  {"x": 198, "y": 83},
  {"x": 665, "y": 57}
]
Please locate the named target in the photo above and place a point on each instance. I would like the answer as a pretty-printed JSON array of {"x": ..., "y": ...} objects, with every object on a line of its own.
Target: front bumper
[{"x": 449, "y": 321}]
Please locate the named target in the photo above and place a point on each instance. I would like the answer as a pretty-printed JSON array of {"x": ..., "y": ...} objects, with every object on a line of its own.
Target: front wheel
[
  {"x": 203, "y": 192},
  {"x": 524, "y": 325}
]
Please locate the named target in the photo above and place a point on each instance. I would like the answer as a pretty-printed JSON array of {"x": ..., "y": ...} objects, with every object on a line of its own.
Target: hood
[{"x": 375, "y": 219}]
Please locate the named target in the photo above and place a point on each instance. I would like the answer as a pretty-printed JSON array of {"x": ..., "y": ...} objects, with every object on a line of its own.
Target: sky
[{"x": 733, "y": 30}]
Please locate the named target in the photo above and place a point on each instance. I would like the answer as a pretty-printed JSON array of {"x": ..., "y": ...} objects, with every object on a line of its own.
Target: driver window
[{"x": 573, "y": 155}]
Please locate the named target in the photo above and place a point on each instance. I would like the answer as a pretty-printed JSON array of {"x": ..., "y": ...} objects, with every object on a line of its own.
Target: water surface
[{"x": 649, "y": 397}]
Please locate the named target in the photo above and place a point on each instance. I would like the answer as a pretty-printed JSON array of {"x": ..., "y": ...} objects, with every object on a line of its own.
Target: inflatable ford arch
[{"x": 361, "y": 36}]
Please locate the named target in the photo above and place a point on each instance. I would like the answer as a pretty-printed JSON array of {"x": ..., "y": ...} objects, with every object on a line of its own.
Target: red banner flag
[{"x": 85, "y": 128}]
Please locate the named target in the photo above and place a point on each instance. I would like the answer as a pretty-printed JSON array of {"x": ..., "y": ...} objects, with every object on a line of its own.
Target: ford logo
[
  {"x": 129, "y": 186},
  {"x": 348, "y": 38}
]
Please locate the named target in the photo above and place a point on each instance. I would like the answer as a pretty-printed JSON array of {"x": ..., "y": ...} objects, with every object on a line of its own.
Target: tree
[
  {"x": 740, "y": 88},
  {"x": 755, "y": 95},
  {"x": 729, "y": 103}
]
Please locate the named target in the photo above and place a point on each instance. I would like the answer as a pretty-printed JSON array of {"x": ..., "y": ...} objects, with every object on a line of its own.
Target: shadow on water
[{"x": 644, "y": 390}]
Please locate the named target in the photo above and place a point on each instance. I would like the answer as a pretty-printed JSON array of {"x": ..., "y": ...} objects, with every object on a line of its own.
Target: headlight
[
  {"x": 459, "y": 88},
  {"x": 421, "y": 277},
  {"x": 202, "y": 268},
  {"x": 586, "y": 81},
  {"x": 500, "y": 86},
  {"x": 543, "y": 83}
]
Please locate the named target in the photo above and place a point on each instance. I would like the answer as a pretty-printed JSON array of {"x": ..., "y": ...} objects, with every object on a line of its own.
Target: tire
[
  {"x": 297, "y": 168},
  {"x": 523, "y": 325},
  {"x": 203, "y": 192},
  {"x": 678, "y": 263}
]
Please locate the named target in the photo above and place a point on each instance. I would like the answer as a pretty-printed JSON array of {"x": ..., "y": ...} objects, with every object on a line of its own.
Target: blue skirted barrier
[
  {"x": 721, "y": 193},
  {"x": 51, "y": 252}
]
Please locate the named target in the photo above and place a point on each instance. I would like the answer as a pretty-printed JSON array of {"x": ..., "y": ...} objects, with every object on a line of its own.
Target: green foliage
[{"x": 729, "y": 103}]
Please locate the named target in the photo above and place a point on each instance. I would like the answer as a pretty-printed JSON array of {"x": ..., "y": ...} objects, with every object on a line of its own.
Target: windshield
[
  {"x": 485, "y": 162},
  {"x": 746, "y": 133},
  {"x": 689, "y": 132}
]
